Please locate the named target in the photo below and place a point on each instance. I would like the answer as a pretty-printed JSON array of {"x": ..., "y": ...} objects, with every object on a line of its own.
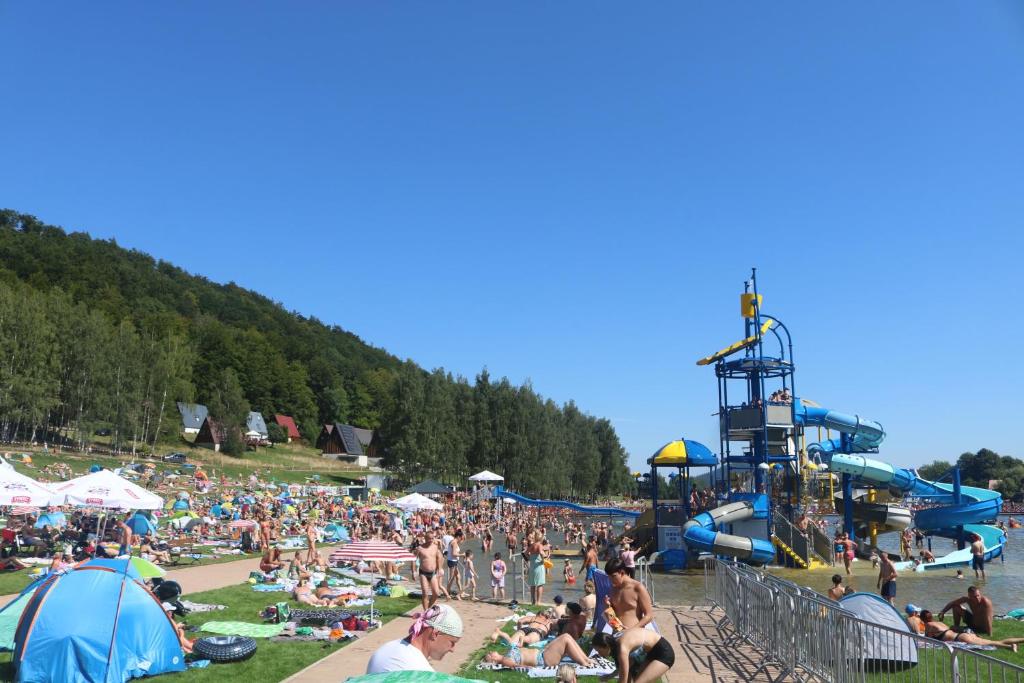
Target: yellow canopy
[{"x": 672, "y": 453}]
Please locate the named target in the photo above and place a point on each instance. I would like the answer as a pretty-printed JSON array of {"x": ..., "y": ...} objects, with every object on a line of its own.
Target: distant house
[
  {"x": 341, "y": 440},
  {"x": 365, "y": 437},
  {"x": 286, "y": 423},
  {"x": 192, "y": 416},
  {"x": 255, "y": 427},
  {"x": 211, "y": 434}
]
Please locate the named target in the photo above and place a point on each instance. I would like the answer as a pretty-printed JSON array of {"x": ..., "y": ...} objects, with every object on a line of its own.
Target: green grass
[
  {"x": 936, "y": 661},
  {"x": 273, "y": 661}
]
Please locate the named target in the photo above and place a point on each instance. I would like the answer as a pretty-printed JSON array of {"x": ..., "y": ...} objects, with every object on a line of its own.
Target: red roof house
[{"x": 288, "y": 425}]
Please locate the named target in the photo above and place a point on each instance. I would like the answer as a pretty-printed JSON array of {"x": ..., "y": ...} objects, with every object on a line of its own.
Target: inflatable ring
[{"x": 224, "y": 649}]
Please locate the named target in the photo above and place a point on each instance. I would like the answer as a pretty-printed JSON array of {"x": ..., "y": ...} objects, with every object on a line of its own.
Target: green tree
[{"x": 228, "y": 408}]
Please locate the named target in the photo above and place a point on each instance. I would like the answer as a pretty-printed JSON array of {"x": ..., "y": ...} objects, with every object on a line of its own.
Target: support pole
[
  {"x": 848, "y": 507},
  {"x": 957, "y": 498}
]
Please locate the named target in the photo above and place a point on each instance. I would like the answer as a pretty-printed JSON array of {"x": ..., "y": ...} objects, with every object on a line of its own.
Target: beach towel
[
  {"x": 201, "y": 607},
  {"x": 243, "y": 628}
]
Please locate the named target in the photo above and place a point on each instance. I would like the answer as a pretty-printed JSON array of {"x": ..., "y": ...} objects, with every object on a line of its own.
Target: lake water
[{"x": 930, "y": 590}]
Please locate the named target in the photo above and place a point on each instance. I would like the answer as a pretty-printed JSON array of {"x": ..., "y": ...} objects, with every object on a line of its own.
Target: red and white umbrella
[
  {"x": 18, "y": 489},
  {"x": 242, "y": 524},
  {"x": 25, "y": 510},
  {"x": 372, "y": 551}
]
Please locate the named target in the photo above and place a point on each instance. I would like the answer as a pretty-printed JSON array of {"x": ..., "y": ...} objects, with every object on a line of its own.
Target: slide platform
[
  {"x": 583, "y": 509},
  {"x": 702, "y": 532},
  {"x": 976, "y": 506}
]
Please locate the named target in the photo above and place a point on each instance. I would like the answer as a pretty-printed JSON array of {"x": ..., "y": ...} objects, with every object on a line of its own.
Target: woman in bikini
[
  {"x": 940, "y": 631},
  {"x": 549, "y": 655},
  {"x": 532, "y": 628}
]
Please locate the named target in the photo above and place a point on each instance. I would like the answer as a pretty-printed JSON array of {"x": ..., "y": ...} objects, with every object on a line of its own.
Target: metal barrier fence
[
  {"x": 822, "y": 545},
  {"x": 805, "y": 636},
  {"x": 791, "y": 536}
]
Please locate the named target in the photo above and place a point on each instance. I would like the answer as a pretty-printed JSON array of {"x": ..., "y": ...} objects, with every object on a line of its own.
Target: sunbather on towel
[
  {"x": 304, "y": 594},
  {"x": 333, "y": 597},
  {"x": 549, "y": 655}
]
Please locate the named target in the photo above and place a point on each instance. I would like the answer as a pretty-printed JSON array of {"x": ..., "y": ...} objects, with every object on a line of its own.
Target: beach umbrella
[
  {"x": 19, "y": 489},
  {"x": 25, "y": 510},
  {"x": 416, "y": 501},
  {"x": 141, "y": 525},
  {"x": 54, "y": 519},
  {"x": 370, "y": 551},
  {"x": 184, "y": 523},
  {"x": 242, "y": 524},
  {"x": 486, "y": 475},
  {"x": 104, "y": 489},
  {"x": 147, "y": 569}
]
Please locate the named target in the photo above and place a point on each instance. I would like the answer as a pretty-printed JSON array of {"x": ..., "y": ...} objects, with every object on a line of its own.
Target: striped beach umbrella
[
  {"x": 242, "y": 524},
  {"x": 372, "y": 551},
  {"x": 25, "y": 510}
]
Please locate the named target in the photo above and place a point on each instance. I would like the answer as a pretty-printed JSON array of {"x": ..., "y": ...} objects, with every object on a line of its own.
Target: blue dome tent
[{"x": 94, "y": 623}]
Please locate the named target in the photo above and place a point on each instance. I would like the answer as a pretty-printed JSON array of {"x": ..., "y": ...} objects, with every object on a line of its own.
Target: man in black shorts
[
  {"x": 640, "y": 654},
  {"x": 978, "y": 557}
]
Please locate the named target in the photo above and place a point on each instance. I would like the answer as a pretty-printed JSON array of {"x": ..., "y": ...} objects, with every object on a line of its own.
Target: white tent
[
  {"x": 17, "y": 489},
  {"x": 416, "y": 501},
  {"x": 104, "y": 489},
  {"x": 486, "y": 475}
]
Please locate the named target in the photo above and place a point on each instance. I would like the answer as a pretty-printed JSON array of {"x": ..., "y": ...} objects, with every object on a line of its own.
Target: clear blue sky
[{"x": 570, "y": 193}]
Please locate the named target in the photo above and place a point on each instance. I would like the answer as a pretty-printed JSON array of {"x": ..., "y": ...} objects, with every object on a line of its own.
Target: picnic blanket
[
  {"x": 243, "y": 628},
  {"x": 200, "y": 606}
]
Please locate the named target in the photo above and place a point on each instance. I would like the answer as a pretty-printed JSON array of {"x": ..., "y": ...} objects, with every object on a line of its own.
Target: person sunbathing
[
  {"x": 332, "y": 596},
  {"x": 530, "y": 629},
  {"x": 940, "y": 631},
  {"x": 549, "y": 655},
  {"x": 304, "y": 594},
  {"x": 12, "y": 564}
]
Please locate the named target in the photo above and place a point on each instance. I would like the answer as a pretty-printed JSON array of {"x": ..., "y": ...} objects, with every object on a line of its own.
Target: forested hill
[{"x": 97, "y": 335}]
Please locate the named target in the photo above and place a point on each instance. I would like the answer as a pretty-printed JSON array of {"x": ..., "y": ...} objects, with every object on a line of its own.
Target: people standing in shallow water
[{"x": 538, "y": 574}]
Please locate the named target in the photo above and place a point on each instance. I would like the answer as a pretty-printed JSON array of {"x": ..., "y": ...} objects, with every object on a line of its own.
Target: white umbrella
[
  {"x": 18, "y": 489},
  {"x": 104, "y": 489},
  {"x": 486, "y": 475},
  {"x": 416, "y": 501}
]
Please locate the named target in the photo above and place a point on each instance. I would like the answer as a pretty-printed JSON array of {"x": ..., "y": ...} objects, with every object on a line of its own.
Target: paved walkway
[
  {"x": 704, "y": 651},
  {"x": 479, "y": 620}
]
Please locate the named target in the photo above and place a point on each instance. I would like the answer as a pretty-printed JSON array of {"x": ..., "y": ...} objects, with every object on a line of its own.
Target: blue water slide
[
  {"x": 583, "y": 509},
  {"x": 864, "y": 435},
  {"x": 702, "y": 532},
  {"x": 975, "y": 507}
]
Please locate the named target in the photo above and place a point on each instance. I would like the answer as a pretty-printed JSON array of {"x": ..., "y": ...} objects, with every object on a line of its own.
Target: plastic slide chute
[
  {"x": 702, "y": 532},
  {"x": 976, "y": 506},
  {"x": 500, "y": 492},
  {"x": 864, "y": 435}
]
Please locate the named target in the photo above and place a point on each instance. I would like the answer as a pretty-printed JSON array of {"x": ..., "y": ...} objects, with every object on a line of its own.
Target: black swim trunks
[
  {"x": 427, "y": 575},
  {"x": 978, "y": 562},
  {"x": 662, "y": 652},
  {"x": 452, "y": 564},
  {"x": 889, "y": 589}
]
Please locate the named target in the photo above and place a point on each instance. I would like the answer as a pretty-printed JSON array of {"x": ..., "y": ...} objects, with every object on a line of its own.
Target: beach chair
[{"x": 183, "y": 551}]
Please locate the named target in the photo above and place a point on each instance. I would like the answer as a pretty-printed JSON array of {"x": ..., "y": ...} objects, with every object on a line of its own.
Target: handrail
[
  {"x": 807, "y": 636},
  {"x": 821, "y": 545},
  {"x": 787, "y": 532}
]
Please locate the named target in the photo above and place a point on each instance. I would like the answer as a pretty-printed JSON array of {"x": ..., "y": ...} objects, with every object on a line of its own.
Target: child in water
[
  {"x": 470, "y": 575},
  {"x": 569, "y": 574}
]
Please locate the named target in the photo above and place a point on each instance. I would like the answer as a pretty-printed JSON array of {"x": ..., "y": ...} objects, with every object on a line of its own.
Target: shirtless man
[
  {"x": 589, "y": 565},
  {"x": 975, "y": 610},
  {"x": 658, "y": 654},
  {"x": 837, "y": 591},
  {"x": 430, "y": 557},
  {"x": 629, "y": 598},
  {"x": 978, "y": 557},
  {"x": 887, "y": 578},
  {"x": 454, "y": 575},
  {"x": 939, "y": 631}
]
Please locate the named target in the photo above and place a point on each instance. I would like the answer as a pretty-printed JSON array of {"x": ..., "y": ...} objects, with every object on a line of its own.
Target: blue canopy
[
  {"x": 124, "y": 634},
  {"x": 51, "y": 519}
]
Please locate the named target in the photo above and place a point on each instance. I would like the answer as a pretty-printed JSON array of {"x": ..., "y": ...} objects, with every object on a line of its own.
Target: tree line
[
  {"x": 95, "y": 336},
  {"x": 978, "y": 469}
]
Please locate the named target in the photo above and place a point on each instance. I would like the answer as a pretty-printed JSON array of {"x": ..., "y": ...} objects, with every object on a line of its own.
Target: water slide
[
  {"x": 702, "y": 532},
  {"x": 976, "y": 506},
  {"x": 583, "y": 509}
]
